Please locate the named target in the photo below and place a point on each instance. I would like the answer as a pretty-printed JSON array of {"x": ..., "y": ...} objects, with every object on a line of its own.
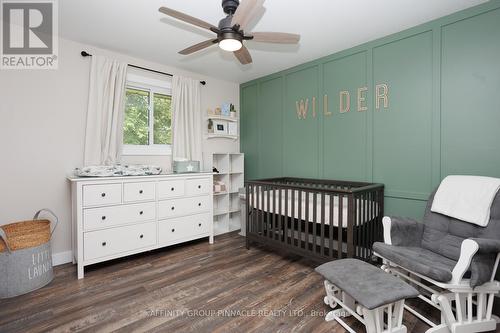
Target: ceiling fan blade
[
  {"x": 275, "y": 37},
  {"x": 245, "y": 12},
  {"x": 243, "y": 55},
  {"x": 252, "y": 14},
  {"x": 199, "y": 46},
  {"x": 186, "y": 18}
]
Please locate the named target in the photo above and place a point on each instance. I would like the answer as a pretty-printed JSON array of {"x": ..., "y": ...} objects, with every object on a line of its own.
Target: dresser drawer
[
  {"x": 99, "y": 195},
  {"x": 184, "y": 206},
  {"x": 177, "y": 229},
  {"x": 134, "y": 192},
  {"x": 198, "y": 186},
  {"x": 100, "y": 218},
  {"x": 114, "y": 241},
  {"x": 171, "y": 189}
]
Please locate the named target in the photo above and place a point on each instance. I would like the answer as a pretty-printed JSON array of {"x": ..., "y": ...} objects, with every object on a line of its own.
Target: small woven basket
[{"x": 25, "y": 234}]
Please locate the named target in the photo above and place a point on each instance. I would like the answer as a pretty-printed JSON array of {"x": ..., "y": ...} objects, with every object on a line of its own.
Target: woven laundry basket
[{"x": 25, "y": 255}]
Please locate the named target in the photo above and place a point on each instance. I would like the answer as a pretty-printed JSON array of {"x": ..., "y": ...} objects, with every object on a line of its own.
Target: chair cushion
[
  {"x": 368, "y": 285},
  {"x": 418, "y": 260},
  {"x": 444, "y": 235}
]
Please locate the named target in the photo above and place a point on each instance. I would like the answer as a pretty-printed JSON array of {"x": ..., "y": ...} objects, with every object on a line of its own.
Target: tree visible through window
[
  {"x": 163, "y": 119},
  {"x": 136, "y": 123},
  {"x": 148, "y": 117}
]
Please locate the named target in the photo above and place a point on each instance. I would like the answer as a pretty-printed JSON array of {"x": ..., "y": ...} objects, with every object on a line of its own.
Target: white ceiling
[{"x": 135, "y": 27}]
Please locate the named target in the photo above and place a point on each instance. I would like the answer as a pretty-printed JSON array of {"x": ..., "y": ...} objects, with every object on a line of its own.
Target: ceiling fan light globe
[{"x": 230, "y": 45}]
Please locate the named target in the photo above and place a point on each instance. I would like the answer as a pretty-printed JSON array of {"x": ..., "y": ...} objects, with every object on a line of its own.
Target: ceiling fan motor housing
[
  {"x": 230, "y": 6},
  {"x": 226, "y": 30}
]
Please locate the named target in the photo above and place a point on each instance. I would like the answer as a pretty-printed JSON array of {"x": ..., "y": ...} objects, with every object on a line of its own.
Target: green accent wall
[{"x": 443, "y": 115}]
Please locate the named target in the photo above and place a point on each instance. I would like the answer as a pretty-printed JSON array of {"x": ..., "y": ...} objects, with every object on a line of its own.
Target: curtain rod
[{"x": 86, "y": 54}]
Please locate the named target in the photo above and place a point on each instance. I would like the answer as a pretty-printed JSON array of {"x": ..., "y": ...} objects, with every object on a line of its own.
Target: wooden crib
[{"x": 317, "y": 219}]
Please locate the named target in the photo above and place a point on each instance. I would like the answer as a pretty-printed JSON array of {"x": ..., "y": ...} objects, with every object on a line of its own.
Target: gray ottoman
[{"x": 365, "y": 292}]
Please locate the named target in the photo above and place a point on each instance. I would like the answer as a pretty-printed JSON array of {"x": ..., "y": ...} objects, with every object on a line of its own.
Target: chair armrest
[
  {"x": 487, "y": 245},
  {"x": 481, "y": 257},
  {"x": 402, "y": 231},
  {"x": 467, "y": 251}
]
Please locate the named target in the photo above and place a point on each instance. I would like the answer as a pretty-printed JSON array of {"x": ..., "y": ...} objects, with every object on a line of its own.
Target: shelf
[
  {"x": 224, "y": 212},
  {"x": 234, "y": 228},
  {"x": 214, "y": 117},
  {"x": 220, "y": 193},
  {"x": 220, "y": 212},
  {"x": 221, "y": 136},
  {"x": 236, "y": 172}
]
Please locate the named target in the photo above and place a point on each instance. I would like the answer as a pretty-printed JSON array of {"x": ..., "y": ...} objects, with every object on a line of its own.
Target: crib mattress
[{"x": 362, "y": 214}]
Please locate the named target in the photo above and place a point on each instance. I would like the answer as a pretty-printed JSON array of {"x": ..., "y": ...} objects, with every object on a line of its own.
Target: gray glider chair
[{"x": 453, "y": 262}]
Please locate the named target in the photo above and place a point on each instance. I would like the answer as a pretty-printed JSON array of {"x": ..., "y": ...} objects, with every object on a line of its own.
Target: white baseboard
[{"x": 62, "y": 258}]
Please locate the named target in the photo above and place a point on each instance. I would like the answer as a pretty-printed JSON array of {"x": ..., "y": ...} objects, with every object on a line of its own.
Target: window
[{"x": 147, "y": 127}]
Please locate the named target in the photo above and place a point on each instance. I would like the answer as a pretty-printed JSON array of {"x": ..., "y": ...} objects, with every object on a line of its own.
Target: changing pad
[{"x": 118, "y": 170}]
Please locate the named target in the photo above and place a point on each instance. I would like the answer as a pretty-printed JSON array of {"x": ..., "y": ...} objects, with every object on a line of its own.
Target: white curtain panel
[
  {"x": 186, "y": 119},
  {"x": 105, "y": 114}
]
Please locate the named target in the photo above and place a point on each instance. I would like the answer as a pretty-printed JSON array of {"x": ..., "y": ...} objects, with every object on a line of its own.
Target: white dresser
[{"x": 119, "y": 216}]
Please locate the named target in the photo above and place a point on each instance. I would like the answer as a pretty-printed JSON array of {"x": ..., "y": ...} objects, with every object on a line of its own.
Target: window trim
[
  {"x": 150, "y": 150},
  {"x": 153, "y": 86}
]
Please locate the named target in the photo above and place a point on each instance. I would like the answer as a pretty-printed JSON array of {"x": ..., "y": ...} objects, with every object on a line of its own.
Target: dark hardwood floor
[{"x": 183, "y": 289}]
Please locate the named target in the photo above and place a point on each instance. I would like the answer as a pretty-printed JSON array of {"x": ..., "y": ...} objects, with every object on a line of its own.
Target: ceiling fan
[{"x": 231, "y": 31}]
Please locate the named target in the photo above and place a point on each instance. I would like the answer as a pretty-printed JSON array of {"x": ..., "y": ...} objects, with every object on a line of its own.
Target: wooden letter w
[{"x": 302, "y": 108}]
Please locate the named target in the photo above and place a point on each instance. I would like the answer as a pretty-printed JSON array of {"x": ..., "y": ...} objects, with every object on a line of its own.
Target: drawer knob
[
  {"x": 199, "y": 204},
  {"x": 199, "y": 186},
  {"x": 173, "y": 207},
  {"x": 103, "y": 243},
  {"x": 172, "y": 189},
  {"x": 103, "y": 218},
  {"x": 173, "y": 230},
  {"x": 141, "y": 212},
  {"x": 103, "y": 195},
  {"x": 141, "y": 191},
  {"x": 141, "y": 236},
  {"x": 199, "y": 224}
]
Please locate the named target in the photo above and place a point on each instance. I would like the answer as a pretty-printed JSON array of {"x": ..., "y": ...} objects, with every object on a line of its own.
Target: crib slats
[
  {"x": 381, "y": 202},
  {"x": 372, "y": 221},
  {"x": 253, "y": 228},
  {"x": 273, "y": 214},
  {"x": 363, "y": 225},
  {"x": 293, "y": 228},
  {"x": 287, "y": 212},
  {"x": 280, "y": 216},
  {"x": 330, "y": 229},
  {"x": 351, "y": 211},
  {"x": 249, "y": 211},
  {"x": 322, "y": 205},
  {"x": 359, "y": 230},
  {"x": 286, "y": 216},
  {"x": 314, "y": 222},
  {"x": 340, "y": 226},
  {"x": 261, "y": 211},
  {"x": 306, "y": 221},
  {"x": 269, "y": 212}
]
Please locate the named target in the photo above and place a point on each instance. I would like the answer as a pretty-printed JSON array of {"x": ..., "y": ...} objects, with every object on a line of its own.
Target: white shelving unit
[{"x": 227, "y": 212}]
